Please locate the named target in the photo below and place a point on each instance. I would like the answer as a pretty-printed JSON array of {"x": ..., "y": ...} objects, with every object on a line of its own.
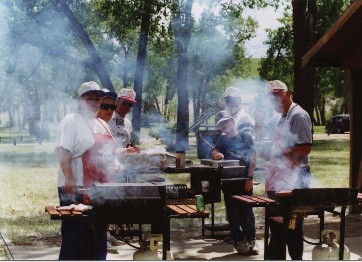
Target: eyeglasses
[
  {"x": 232, "y": 100},
  {"x": 127, "y": 104},
  {"x": 108, "y": 106}
]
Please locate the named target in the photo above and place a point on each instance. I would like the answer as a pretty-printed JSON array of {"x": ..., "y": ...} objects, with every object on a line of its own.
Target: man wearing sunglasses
[
  {"x": 243, "y": 121},
  {"x": 107, "y": 106},
  {"x": 120, "y": 125}
]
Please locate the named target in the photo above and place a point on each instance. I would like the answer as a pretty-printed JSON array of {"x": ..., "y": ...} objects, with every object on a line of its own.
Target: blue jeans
[
  {"x": 241, "y": 219},
  {"x": 78, "y": 235}
]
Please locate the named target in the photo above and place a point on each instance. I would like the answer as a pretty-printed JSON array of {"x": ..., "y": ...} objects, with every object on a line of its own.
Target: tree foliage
[
  {"x": 330, "y": 83},
  {"x": 45, "y": 61}
]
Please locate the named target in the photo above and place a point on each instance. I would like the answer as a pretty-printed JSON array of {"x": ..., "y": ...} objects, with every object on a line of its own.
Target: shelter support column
[{"x": 355, "y": 170}]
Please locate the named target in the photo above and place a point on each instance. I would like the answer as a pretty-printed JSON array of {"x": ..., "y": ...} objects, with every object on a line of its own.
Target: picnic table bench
[
  {"x": 179, "y": 211},
  {"x": 173, "y": 211}
]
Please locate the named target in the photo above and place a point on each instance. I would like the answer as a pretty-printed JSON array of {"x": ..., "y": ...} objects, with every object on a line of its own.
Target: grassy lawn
[{"x": 28, "y": 183}]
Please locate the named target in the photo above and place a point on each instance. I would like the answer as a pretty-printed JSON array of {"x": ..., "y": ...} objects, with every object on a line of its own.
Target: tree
[
  {"x": 280, "y": 60},
  {"x": 96, "y": 59},
  {"x": 217, "y": 53},
  {"x": 182, "y": 24},
  {"x": 304, "y": 22}
]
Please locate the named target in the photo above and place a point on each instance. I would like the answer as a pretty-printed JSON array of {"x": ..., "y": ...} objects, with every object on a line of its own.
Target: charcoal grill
[
  {"x": 316, "y": 199},
  {"x": 128, "y": 203},
  {"x": 312, "y": 201},
  {"x": 179, "y": 194}
]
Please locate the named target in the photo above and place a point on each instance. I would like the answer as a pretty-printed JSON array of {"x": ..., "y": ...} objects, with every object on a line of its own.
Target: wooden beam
[{"x": 309, "y": 57}]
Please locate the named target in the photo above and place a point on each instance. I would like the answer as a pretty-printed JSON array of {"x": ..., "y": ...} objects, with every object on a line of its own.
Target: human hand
[
  {"x": 137, "y": 149},
  {"x": 133, "y": 149},
  {"x": 219, "y": 156},
  {"x": 69, "y": 185}
]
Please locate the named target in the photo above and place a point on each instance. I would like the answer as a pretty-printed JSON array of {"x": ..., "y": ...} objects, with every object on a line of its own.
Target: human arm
[
  {"x": 293, "y": 154},
  {"x": 65, "y": 159},
  {"x": 301, "y": 143}
]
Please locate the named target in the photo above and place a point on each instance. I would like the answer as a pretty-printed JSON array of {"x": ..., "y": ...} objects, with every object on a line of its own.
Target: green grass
[
  {"x": 330, "y": 163},
  {"x": 319, "y": 129},
  {"x": 28, "y": 182}
]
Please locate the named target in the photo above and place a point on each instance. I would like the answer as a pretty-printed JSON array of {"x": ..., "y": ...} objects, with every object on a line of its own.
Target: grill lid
[
  {"x": 319, "y": 197},
  {"x": 122, "y": 191}
]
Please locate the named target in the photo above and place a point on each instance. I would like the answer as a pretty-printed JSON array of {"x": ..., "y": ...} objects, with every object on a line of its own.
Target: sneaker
[
  {"x": 246, "y": 248},
  {"x": 252, "y": 245},
  {"x": 242, "y": 247}
]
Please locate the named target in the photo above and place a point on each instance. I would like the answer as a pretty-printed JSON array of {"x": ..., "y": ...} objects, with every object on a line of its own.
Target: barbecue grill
[
  {"x": 128, "y": 203},
  {"x": 312, "y": 201},
  {"x": 316, "y": 199}
]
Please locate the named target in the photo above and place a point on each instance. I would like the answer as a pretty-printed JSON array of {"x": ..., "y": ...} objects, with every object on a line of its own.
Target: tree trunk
[
  {"x": 304, "y": 13},
  {"x": 83, "y": 35},
  {"x": 140, "y": 68},
  {"x": 318, "y": 116},
  {"x": 125, "y": 68},
  {"x": 323, "y": 111},
  {"x": 182, "y": 26},
  {"x": 11, "y": 117}
]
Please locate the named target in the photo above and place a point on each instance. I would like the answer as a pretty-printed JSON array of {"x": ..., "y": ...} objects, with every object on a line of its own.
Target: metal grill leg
[{"x": 342, "y": 232}]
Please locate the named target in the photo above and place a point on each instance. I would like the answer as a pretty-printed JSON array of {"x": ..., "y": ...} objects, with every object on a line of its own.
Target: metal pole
[{"x": 7, "y": 247}]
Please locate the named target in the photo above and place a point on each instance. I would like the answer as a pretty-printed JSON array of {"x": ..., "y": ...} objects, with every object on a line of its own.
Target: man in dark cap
[{"x": 233, "y": 145}]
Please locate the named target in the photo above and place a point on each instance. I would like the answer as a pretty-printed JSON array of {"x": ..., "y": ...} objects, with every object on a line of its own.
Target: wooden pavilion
[{"x": 341, "y": 46}]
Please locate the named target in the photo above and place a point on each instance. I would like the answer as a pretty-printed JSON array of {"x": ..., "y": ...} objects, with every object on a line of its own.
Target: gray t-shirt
[{"x": 294, "y": 129}]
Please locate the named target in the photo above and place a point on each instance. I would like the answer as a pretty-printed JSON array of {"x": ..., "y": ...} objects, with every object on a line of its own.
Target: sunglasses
[
  {"x": 127, "y": 104},
  {"x": 278, "y": 93},
  {"x": 108, "y": 106}
]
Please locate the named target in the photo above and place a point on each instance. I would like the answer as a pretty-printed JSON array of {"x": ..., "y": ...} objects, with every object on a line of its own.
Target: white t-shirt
[
  {"x": 75, "y": 133},
  {"x": 244, "y": 122},
  {"x": 121, "y": 129}
]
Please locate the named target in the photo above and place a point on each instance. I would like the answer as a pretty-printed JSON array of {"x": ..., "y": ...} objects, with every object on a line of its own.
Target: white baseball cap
[
  {"x": 225, "y": 118},
  {"x": 232, "y": 91},
  {"x": 89, "y": 87},
  {"x": 128, "y": 95},
  {"x": 275, "y": 86}
]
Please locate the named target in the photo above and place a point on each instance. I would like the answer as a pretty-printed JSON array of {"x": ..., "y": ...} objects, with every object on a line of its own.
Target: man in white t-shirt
[
  {"x": 86, "y": 151},
  {"x": 244, "y": 122}
]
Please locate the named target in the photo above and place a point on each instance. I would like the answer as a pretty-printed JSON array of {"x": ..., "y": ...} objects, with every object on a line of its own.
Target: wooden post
[{"x": 355, "y": 171}]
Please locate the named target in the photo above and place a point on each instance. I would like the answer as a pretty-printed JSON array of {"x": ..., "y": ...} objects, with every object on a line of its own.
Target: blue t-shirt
[{"x": 240, "y": 147}]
